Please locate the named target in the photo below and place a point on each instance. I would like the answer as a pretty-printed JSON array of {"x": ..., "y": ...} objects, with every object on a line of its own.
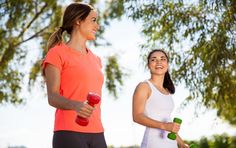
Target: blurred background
[{"x": 199, "y": 36}]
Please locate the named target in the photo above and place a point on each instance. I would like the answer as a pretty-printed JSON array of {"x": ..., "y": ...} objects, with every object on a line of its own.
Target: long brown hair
[
  {"x": 168, "y": 83},
  {"x": 74, "y": 12}
]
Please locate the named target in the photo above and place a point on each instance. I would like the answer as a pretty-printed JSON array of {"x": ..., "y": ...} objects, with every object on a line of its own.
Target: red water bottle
[{"x": 92, "y": 99}]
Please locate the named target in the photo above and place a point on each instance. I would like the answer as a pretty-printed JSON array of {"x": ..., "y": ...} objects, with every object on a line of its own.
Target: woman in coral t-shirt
[{"x": 72, "y": 71}]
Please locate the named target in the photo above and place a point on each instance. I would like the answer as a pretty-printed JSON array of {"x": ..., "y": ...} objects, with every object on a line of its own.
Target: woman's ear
[{"x": 77, "y": 22}]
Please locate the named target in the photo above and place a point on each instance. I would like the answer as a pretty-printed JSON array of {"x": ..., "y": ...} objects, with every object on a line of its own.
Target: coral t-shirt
[{"x": 80, "y": 74}]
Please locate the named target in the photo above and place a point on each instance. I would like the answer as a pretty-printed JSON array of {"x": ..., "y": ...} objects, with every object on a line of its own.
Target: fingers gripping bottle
[
  {"x": 172, "y": 135},
  {"x": 92, "y": 99}
]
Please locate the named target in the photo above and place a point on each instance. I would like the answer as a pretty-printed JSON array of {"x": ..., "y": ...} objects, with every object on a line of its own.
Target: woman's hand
[
  {"x": 84, "y": 110},
  {"x": 181, "y": 143},
  {"x": 172, "y": 127}
]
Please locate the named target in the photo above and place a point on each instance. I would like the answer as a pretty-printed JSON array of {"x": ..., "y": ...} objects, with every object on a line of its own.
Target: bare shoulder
[
  {"x": 142, "y": 85},
  {"x": 141, "y": 93},
  {"x": 143, "y": 88}
]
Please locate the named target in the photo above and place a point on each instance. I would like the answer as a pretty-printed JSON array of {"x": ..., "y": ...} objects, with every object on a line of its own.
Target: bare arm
[
  {"x": 52, "y": 75},
  {"x": 140, "y": 96},
  {"x": 181, "y": 143}
]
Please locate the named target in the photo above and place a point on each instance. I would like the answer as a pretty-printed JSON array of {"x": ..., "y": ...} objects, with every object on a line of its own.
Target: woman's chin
[{"x": 91, "y": 38}]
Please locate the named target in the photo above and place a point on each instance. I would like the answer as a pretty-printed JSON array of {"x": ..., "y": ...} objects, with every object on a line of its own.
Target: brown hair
[
  {"x": 168, "y": 83},
  {"x": 74, "y": 12}
]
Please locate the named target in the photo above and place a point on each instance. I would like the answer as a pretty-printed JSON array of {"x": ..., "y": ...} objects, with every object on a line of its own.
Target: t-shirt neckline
[{"x": 75, "y": 51}]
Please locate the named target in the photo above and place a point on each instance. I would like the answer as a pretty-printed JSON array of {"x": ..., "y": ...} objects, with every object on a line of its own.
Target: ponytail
[
  {"x": 168, "y": 83},
  {"x": 74, "y": 12},
  {"x": 55, "y": 38}
]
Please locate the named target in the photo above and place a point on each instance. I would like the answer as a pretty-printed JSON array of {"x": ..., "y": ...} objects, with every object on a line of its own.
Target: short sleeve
[
  {"x": 53, "y": 57},
  {"x": 99, "y": 61}
]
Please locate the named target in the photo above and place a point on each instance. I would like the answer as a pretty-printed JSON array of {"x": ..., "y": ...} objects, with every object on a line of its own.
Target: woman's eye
[
  {"x": 163, "y": 59},
  {"x": 94, "y": 20}
]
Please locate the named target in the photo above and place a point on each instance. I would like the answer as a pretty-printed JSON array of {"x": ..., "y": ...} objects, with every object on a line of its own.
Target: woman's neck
[
  {"x": 77, "y": 43},
  {"x": 157, "y": 80}
]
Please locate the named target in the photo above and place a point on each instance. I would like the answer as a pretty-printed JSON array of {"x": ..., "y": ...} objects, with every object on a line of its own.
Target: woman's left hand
[{"x": 183, "y": 145}]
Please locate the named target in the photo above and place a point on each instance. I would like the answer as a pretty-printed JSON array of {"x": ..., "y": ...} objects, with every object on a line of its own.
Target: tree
[
  {"x": 215, "y": 141},
  {"x": 21, "y": 21},
  {"x": 207, "y": 65},
  {"x": 34, "y": 20},
  {"x": 201, "y": 40},
  {"x": 203, "y": 143},
  {"x": 222, "y": 141}
]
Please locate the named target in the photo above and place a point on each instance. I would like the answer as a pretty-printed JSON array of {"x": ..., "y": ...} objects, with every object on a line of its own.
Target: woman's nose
[{"x": 158, "y": 61}]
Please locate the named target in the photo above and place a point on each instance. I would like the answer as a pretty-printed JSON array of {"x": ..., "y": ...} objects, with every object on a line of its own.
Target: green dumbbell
[{"x": 172, "y": 135}]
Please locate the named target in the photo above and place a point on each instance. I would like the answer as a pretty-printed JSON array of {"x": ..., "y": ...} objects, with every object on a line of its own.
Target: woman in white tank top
[{"x": 153, "y": 104}]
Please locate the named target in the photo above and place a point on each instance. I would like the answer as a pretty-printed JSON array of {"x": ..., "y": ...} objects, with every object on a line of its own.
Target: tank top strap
[{"x": 150, "y": 85}]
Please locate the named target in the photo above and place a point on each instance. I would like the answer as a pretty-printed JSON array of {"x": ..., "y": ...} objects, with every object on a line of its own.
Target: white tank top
[{"x": 159, "y": 107}]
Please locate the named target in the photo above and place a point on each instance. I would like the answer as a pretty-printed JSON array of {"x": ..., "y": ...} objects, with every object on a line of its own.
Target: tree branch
[
  {"x": 34, "y": 18},
  {"x": 33, "y": 36}
]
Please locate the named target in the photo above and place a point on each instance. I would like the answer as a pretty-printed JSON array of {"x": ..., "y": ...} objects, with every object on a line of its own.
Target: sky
[{"x": 31, "y": 125}]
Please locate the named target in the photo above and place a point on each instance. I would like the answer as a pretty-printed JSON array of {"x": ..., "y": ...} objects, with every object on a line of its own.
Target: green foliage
[
  {"x": 207, "y": 30},
  {"x": 203, "y": 143},
  {"x": 221, "y": 141},
  {"x": 21, "y": 21},
  {"x": 216, "y": 141},
  {"x": 113, "y": 74}
]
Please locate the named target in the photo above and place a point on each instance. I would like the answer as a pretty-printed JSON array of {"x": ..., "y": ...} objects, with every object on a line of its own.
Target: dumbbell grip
[{"x": 172, "y": 135}]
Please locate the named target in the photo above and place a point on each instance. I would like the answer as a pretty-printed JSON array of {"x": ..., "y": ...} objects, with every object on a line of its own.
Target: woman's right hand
[
  {"x": 172, "y": 127},
  {"x": 84, "y": 110}
]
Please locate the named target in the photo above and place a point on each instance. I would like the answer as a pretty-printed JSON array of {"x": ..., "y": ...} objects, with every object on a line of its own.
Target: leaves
[
  {"x": 207, "y": 30},
  {"x": 22, "y": 22},
  {"x": 114, "y": 75},
  {"x": 199, "y": 36}
]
